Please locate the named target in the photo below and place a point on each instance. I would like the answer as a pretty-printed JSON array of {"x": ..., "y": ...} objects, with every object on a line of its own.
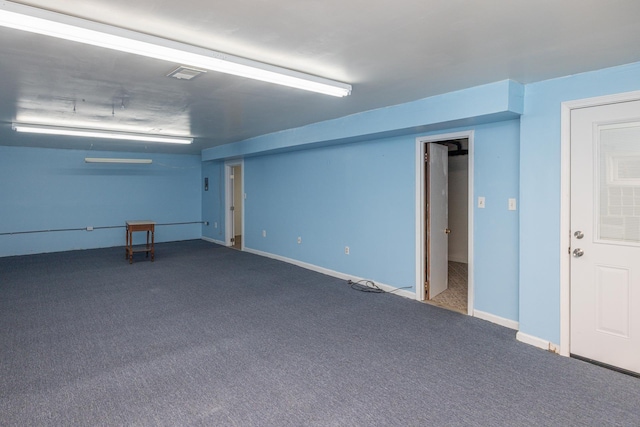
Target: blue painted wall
[
  {"x": 358, "y": 195},
  {"x": 45, "y": 189},
  {"x": 362, "y": 195},
  {"x": 496, "y": 241},
  {"x": 351, "y": 182},
  {"x": 540, "y": 189}
]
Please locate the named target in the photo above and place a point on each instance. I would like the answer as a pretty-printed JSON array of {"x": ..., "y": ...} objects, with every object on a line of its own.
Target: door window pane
[{"x": 618, "y": 176}]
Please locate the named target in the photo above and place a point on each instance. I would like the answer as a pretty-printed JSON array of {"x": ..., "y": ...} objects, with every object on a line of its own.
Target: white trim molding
[
  {"x": 209, "y": 239},
  {"x": 565, "y": 205},
  {"x": 387, "y": 288},
  {"x": 502, "y": 321},
  {"x": 537, "y": 342}
]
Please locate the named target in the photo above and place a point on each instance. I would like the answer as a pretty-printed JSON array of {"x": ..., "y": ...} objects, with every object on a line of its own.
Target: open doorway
[
  {"x": 446, "y": 220},
  {"x": 234, "y": 204}
]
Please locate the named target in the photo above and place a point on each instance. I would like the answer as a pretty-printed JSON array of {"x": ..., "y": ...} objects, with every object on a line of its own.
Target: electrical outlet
[
  {"x": 346, "y": 250},
  {"x": 481, "y": 202},
  {"x": 215, "y": 224},
  {"x": 299, "y": 240},
  {"x": 264, "y": 233}
]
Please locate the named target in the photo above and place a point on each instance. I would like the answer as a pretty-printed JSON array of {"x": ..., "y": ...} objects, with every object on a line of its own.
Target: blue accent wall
[
  {"x": 351, "y": 182},
  {"x": 363, "y": 195},
  {"x": 540, "y": 169},
  {"x": 47, "y": 189},
  {"x": 360, "y": 195},
  {"x": 496, "y": 240}
]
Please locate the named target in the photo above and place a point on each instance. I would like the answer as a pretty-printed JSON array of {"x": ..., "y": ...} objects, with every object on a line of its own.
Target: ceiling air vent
[{"x": 185, "y": 73}]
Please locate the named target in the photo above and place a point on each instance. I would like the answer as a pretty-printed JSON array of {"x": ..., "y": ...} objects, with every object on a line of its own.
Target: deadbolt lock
[{"x": 578, "y": 234}]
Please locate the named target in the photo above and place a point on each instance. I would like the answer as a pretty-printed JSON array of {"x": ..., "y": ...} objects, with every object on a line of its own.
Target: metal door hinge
[{"x": 426, "y": 157}]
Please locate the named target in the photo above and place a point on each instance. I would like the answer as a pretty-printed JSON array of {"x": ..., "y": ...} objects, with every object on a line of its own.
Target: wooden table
[{"x": 133, "y": 226}]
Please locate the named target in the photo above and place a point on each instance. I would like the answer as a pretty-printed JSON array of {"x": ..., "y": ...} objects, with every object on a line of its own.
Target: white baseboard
[
  {"x": 507, "y": 323},
  {"x": 537, "y": 342},
  {"x": 387, "y": 288},
  {"x": 209, "y": 239}
]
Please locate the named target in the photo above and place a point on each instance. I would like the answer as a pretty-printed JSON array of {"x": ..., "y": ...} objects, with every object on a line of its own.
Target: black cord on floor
[{"x": 369, "y": 286}]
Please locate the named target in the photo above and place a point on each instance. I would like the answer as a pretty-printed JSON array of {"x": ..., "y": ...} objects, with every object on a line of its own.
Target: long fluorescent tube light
[
  {"x": 110, "y": 160},
  {"x": 40, "y": 21},
  {"x": 94, "y": 133}
]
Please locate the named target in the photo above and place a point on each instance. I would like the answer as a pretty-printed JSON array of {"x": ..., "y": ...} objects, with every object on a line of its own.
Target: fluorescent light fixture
[
  {"x": 40, "y": 21},
  {"x": 95, "y": 133},
  {"x": 110, "y": 160}
]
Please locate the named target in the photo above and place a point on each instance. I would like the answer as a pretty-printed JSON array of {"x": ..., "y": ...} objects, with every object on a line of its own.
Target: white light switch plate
[
  {"x": 481, "y": 202},
  {"x": 512, "y": 204}
]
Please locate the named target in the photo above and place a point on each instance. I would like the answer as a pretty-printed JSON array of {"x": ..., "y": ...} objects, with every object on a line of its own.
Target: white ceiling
[{"x": 391, "y": 52}]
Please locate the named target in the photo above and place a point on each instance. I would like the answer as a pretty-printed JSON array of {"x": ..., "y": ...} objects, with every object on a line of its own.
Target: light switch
[
  {"x": 481, "y": 202},
  {"x": 512, "y": 204}
]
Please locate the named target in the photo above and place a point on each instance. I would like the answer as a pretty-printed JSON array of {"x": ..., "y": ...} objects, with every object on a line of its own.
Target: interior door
[
  {"x": 232, "y": 208},
  {"x": 605, "y": 234},
  {"x": 237, "y": 204},
  {"x": 437, "y": 219}
]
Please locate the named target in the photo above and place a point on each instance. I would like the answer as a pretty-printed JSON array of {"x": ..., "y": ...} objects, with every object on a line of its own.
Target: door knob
[
  {"x": 578, "y": 234},
  {"x": 577, "y": 252},
  {"x": 447, "y": 230}
]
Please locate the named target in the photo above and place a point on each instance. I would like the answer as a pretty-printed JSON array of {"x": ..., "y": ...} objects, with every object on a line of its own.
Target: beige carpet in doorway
[{"x": 455, "y": 297}]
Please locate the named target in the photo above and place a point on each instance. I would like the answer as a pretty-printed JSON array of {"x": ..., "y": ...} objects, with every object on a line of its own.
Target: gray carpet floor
[{"x": 209, "y": 336}]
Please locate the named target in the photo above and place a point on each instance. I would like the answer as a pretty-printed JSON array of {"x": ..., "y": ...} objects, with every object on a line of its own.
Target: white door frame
[
  {"x": 565, "y": 205},
  {"x": 228, "y": 200},
  {"x": 421, "y": 211}
]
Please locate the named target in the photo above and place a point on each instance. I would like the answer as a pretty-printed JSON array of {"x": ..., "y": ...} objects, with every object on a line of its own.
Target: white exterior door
[
  {"x": 605, "y": 234},
  {"x": 437, "y": 219}
]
